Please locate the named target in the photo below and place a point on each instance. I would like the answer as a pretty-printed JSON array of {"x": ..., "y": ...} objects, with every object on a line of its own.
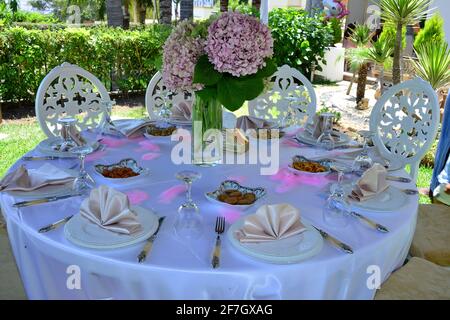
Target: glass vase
[{"x": 207, "y": 139}]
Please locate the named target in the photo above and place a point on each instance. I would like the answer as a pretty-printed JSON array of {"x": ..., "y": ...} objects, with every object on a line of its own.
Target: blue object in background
[{"x": 443, "y": 150}]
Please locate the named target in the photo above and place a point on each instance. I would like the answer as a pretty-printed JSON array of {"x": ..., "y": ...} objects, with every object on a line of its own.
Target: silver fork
[{"x": 220, "y": 228}]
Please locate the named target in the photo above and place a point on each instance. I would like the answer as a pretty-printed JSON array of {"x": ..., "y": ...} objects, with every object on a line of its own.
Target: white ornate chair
[
  {"x": 286, "y": 82},
  {"x": 157, "y": 95},
  {"x": 405, "y": 122},
  {"x": 70, "y": 91}
]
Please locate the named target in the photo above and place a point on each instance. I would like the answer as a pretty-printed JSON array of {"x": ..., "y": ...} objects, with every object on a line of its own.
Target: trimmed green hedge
[{"x": 121, "y": 59}]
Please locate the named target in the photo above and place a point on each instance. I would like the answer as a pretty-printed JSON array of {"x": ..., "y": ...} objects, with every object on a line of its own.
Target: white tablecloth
[{"x": 181, "y": 270}]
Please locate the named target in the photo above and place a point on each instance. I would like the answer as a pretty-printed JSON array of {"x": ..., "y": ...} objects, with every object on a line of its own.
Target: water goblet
[
  {"x": 67, "y": 124},
  {"x": 84, "y": 182},
  {"x": 363, "y": 161},
  {"x": 335, "y": 213},
  {"x": 189, "y": 222},
  {"x": 341, "y": 169},
  {"x": 288, "y": 119}
]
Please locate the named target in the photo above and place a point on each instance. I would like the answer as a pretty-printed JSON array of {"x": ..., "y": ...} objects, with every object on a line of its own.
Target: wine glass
[
  {"x": 67, "y": 124},
  {"x": 335, "y": 212},
  {"x": 189, "y": 222},
  {"x": 84, "y": 182},
  {"x": 341, "y": 169},
  {"x": 326, "y": 140},
  {"x": 165, "y": 112},
  {"x": 363, "y": 161},
  {"x": 288, "y": 118},
  {"x": 107, "y": 126}
]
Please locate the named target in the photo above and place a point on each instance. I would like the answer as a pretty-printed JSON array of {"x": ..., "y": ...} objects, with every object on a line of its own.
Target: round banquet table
[{"x": 177, "y": 269}]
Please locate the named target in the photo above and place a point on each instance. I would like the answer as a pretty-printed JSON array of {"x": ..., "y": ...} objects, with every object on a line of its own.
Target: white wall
[
  {"x": 443, "y": 6},
  {"x": 286, "y": 3}
]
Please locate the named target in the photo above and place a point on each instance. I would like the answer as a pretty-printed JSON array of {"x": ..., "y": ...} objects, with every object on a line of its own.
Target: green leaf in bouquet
[
  {"x": 205, "y": 73},
  {"x": 207, "y": 93},
  {"x": 232, "y": 92}
]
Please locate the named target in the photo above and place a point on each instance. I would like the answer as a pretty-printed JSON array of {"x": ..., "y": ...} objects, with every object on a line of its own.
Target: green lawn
[{"x": 25, "y": 135}]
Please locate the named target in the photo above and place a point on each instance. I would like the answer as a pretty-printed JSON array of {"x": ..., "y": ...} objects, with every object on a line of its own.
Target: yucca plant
[
  {"x": 433, "y": 64},
  {"x": 359, "y": 63},
  {"x": 361, "y": 36},
  {"x": 381, "y": 54},
  {"x": 402, "y": 13}
]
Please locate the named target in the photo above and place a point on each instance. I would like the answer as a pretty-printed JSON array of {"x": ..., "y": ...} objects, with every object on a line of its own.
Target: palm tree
[
  {"x": 114, "y": 13},
  {"x": 381, "y": 54},
  {"x": 223, "y": 5},
  {"x": 165, "y": 9},
  {"x": 361, "y": 37},
  {"x": 433, "y": 64},
  {"x": 360, "y": 63},
  {"x": 402, "y": 13},
  {"x": 187, "y": 9}
]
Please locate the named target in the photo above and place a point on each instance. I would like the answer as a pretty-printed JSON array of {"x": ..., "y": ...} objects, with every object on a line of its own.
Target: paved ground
[
  {"x": 10, "y": 283},
  {"x": 335, "y": 97}
]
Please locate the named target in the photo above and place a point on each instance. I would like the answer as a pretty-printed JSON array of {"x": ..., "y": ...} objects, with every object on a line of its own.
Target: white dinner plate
[
  {"x": 84, "y": 233},
  {"x": 290, "y": 250},
  {"x": 389, "y": 200},
  {"x": 45, "y": 147},
  {"x": 305, "y": 137},
  {"x": 47, "y": 191}
]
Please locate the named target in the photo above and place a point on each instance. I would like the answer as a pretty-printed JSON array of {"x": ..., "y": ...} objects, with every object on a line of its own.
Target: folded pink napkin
[
  {"x": 249, "y": 122},
  {"x": 372, "y": 183},
  {"x": 131, "y": 127},
  {"x": 73, "y": 133},
  {"x": 110, "y": 209},
  {"x": 270, "y": 223},
  {"x": 24, "y": 179},
  {"x": 182, "y": 111}
]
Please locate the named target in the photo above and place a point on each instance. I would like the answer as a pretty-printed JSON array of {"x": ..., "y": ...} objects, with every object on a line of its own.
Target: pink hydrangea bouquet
[{"x": 226, "y": 58}]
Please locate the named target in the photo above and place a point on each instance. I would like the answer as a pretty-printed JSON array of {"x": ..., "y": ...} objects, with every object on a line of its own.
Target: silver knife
[
  {"x": 55, "y": 224},
  {"x": 33, "y": 158},
  {"x": 337, "y": 243},
  {"x": 371, "y": 223},
  {"x": 148, "y": 246},
  {"x": 398, "y": 179},
  {"x": 44, "y": 200}
]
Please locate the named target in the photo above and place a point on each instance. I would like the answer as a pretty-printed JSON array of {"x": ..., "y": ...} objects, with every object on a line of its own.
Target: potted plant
[{"x": 333, "y": 70}]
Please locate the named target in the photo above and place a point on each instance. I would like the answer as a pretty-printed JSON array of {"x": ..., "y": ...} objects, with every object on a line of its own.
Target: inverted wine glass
[{"x": 189, "y": 222}]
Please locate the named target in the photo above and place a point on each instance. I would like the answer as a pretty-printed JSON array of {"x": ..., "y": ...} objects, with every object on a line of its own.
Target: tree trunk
[
  {"x": 223, "y": 5},
  {"x": 142, "y": 13},
  {"x": 135, "y": 11},
  {"x": 186, "y": 9},
  {"x": 362, "y": 81},
  {"x": 351, "y": 83},
  {"x": 114, "y": 13},
  {"x": 165, "y": 9},
  {"x": 126, "y": 14},
  {"x": 382, "y": 80},
  {"x": 396, "y": 70},
  {"x": 256, "y": 4}
]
